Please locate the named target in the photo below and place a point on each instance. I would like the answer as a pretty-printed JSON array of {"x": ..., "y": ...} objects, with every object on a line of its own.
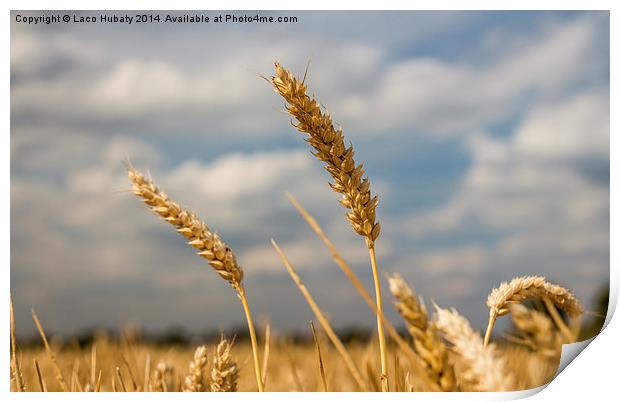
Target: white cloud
[
  {"x": 526, "y": 201},
  {"x": 440, "y": 97}
]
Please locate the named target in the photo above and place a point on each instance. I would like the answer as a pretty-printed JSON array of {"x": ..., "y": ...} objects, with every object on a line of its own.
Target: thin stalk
[
  {"x": 382, "y": 345},
  {"x": 487, "y": 334},
  {"x": 320, "y": 357},
  {"x": 321, "y": 318},
  {"x": 16, "y": 366},
  {"x": 40, "y": 377},
  {"x": 414, "y": 358},
  {"x": 553, "y": 312},
  {"x": 51, "y": 355},
  {"x": 248, "y": 316},
  {"x": 266, "y": 354}
]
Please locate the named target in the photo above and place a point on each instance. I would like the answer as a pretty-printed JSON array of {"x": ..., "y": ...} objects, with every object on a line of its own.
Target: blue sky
[{"x": 485, "y": 134}]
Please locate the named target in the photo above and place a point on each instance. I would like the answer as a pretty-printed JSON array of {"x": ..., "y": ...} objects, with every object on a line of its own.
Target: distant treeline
[{"x": 178, "y": 336}]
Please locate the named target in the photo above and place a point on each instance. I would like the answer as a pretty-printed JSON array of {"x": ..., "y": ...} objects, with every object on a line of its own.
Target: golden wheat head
[
  {"x": 330, "y": 148},
  {"x": 199, "y": 236}
]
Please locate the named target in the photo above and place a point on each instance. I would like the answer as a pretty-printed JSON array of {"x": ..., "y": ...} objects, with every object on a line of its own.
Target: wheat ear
[
  {"x": 482, "y": 368},
  {"x": 159, "y": 377},
  {"x": 199, "y": 236},
  {"x": 329, "y": 147},
  {"x": 414, "y": 358},
  {"x": 526, "y": 287},
  {"x": 224, "y": 373},
  {"x": 425, "y": 336},
  {"x": 196, "y": 380},
  {"x": 536, "y": 330}
]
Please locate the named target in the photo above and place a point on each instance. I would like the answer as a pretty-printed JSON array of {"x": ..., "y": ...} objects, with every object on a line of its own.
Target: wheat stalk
[
  {"x": 526, "y": 287},
  {"x": 320, "y": 358},
  {"x": 199, "y": 236},
  {"x": 196, "y": 381},
  {"x": 224, "y": 373},
  {"x": 414, "y": 358},
  {"x": 321, "y": 317},
  {"x": 425, "y": 336},
  {"x": 50, "y": 353},
  {"x": 16, "y": 370},
  {"x": 329, "y": 147},
  {"x": 481, "y": 367}
]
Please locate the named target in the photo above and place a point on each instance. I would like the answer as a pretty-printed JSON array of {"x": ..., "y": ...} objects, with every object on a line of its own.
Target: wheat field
[{"x": 439, "y": 351}]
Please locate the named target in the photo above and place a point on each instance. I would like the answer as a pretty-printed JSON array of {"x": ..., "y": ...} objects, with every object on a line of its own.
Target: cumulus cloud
[
  {"x": 526, "y": 109},
  {"x": 432, "y": 96}
]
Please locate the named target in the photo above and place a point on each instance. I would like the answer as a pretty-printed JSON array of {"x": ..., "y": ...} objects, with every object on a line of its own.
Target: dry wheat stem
[
  {"x": 224, "y": 374},
  {"x": 248, "y": 316},
  {"x": 424, "y": 333},
  {"x": 196, "y": 380},
  {"x": 320, "y": 358},
  {"x": 482, "y": 368},
  {"x": 16, "y": 368},
  {"x": 555, "y": 316},
  {"x": 120, "y": 378},
  {"x": 50, "y": 353},
  {"x": 405, "y": 347},
  {"x": 199, "y": 236},
  {"x": 40, "y": 377},
  {"x": 526, "y": 287},
  {"x": 329, "y": 147},
  {"x": 321, "y": 318},
  {"x": 266, "y": 354},
  {"x": 98, "y": 386}
]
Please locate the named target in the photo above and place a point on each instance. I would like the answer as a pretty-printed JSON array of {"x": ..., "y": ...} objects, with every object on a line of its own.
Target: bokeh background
[{"x": 485, "y": 134}]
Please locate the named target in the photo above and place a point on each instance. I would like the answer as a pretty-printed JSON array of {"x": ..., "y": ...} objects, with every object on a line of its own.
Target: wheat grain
[
  {"x": 481, "y": 368},
  {"x": 330, "y": 148},
  {"x": 199, "y": 236},
  {"x": 526, "y": 287},
  {"x": 209, "y": 244},
  {"x": 160, "y": 374},
  {"x": 348, "y": 180},
  {"x": 224, "y": 373},
  {"x": 426, "y": 339},
  {"x": 196, "y": 380}
]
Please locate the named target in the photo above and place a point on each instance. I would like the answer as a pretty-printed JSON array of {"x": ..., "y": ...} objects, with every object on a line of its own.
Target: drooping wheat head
[
  {"x": 426, "y": 339},
  {"x": 526, "y": 287},
  {"x": 224, "y": 373},
  {"x": 480, "y": 367},
  {"x": 196, "y": 379}
]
